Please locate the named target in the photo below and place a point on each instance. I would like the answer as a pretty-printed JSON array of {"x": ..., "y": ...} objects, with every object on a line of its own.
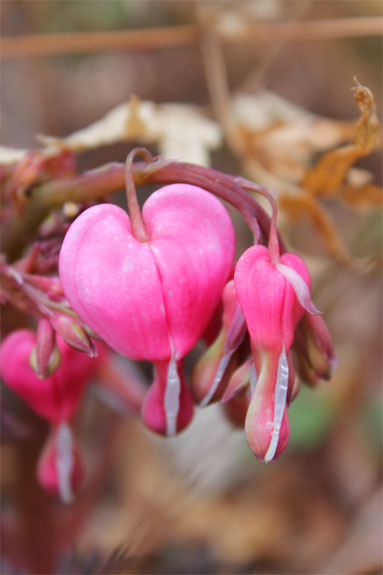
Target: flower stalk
[{"x": 110, "y": 178}]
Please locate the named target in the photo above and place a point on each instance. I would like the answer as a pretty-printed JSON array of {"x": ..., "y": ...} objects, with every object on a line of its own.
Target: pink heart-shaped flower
[
  {"x": 55, "y": 398},
  {"x": 150, "y": 300}
]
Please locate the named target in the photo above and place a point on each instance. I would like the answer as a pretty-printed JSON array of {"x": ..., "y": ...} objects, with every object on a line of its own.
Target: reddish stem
[
  {"x": 111, "y": 178},
  {"x": 137, "y": 223}
]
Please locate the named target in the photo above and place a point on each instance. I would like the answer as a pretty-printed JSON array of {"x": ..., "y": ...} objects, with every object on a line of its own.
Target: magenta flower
[
  {"x": 55, "y": 399},
  {"x": 273, "y": 296},
  {"x": 151, "y": 298}
]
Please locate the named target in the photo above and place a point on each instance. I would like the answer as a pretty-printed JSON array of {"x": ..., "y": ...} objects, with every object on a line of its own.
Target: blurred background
[{"x": 271, "y": 92}]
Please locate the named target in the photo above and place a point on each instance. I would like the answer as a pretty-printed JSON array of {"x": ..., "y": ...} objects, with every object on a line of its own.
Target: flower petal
[{"x": 300, "y": 288}]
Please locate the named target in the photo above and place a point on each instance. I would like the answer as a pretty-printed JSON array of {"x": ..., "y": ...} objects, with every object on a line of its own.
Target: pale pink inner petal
[
  {"x": 300, "y": 288},
  {"x": 64, "y": 462},
  {"x": 217, "y": 379},
  {"x": 238, "y": 381},
  {"x": 236, "y": 331},
  {"x": 280, "y": 396},
  {"x": 253, "y": 379}
]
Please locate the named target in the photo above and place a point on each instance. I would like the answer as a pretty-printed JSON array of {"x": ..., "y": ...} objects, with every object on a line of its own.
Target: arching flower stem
[{"x": 136, "y": 220}]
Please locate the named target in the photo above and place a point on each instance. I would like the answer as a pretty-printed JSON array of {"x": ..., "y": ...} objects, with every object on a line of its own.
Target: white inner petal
[
  {"x": 217, "y": 379},
  {"x": 300, "y": 287},
  {"x": 279, "y": 403},
  {"x": 64, "y": 462},
  {"x": 253, "y": 379},
  {"x": 172, "y": 397}
]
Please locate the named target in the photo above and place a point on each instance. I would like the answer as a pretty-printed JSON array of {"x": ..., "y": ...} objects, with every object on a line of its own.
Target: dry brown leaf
[
  {"x": 280, "y": 139},
  {"x": 297, "y": 206},
  {"x": 331, "y": 170},
  {"x": 181, "y": 131},
  {"x": 368, "y": 196},
  {"x": 284, "y": 137}
]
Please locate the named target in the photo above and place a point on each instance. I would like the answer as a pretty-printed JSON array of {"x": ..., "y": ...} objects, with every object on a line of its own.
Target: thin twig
[{"x": 37, "y": 45}]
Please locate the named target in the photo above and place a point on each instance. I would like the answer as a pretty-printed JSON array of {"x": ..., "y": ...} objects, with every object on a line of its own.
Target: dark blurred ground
[{"x": 204, "y": 505}]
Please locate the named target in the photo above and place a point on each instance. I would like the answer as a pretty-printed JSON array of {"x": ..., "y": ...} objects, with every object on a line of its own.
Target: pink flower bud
[
  {"x": 168, "y": 405},
  {"x": 45, "y": 356},
  {"x": 208, "y": 377},
  {"x": 315, "y": 344},
  {"x": 273, "y": 298},
  {"x": 73, "y": 334},
  {"x": 55, "y": 398},
  {"x": 60, "y": 469}
]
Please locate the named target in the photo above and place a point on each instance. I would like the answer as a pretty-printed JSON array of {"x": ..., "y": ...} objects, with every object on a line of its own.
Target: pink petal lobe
[
  {"x": 193, "y": 242},
  {"x": 109, "y": 279}
]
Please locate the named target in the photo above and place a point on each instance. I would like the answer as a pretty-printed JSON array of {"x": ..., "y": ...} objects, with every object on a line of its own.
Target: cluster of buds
[{"x": 151, "y": 284}]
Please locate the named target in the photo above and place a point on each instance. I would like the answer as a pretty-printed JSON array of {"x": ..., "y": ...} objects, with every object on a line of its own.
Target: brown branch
[
  {"x": 305, "y": 31},
  {"x": 37, "y": 45}
]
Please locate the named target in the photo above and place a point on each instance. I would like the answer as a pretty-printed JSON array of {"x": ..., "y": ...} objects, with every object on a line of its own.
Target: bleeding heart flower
[
  {"x": 150, "y": 300},
  {"x": 55, "y": 398},
  {"x": 273, "y": 297}
]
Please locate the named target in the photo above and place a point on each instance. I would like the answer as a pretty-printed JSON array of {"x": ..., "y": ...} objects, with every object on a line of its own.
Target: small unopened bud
[
  {"x": 314, "y": 343},
  {"x": 73, "y": 334},
  {"x": 45, "y": 356},
  {"x": 210, "y": 375}
]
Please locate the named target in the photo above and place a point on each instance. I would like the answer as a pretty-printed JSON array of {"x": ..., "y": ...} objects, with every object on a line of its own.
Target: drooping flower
[
  {"x": 151, "y": 300},
  {"x": 273, "y": 296},
  {"x": 55, "y": 398}
]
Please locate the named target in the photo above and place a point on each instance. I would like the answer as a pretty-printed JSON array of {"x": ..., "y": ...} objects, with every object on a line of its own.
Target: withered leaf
[{"x": 331, "y": 170}]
